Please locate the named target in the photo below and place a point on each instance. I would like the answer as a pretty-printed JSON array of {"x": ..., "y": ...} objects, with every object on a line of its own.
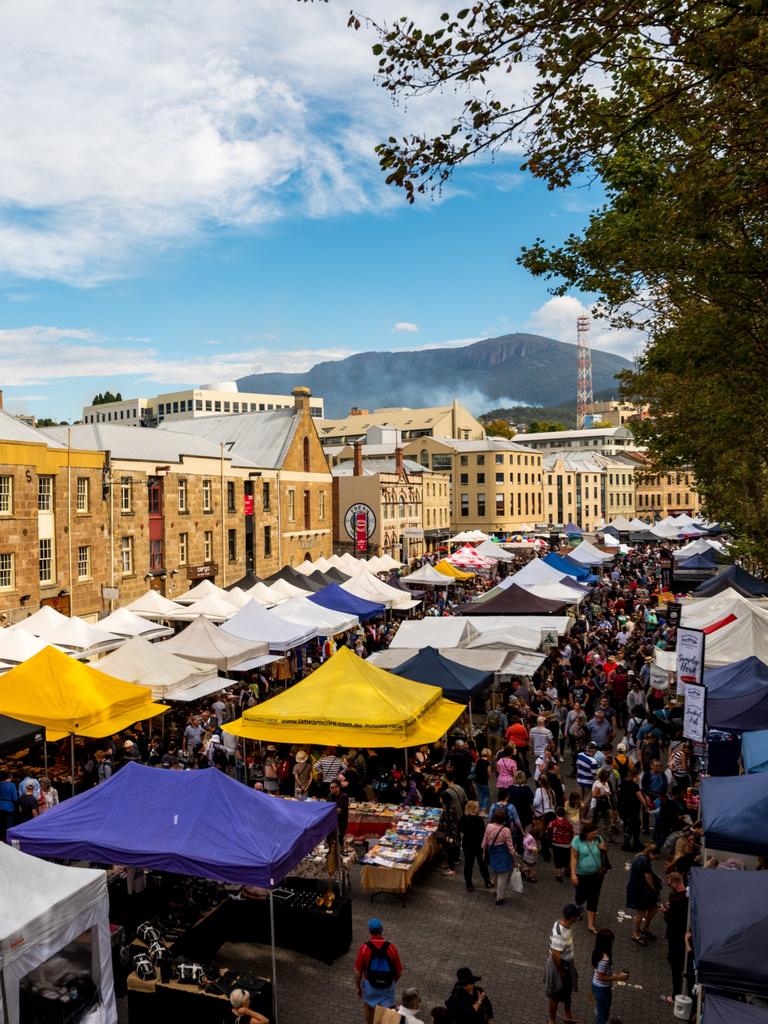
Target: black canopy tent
[
  {"x": 515, "y": 601},
  {"x": 458, "y": 682},
  {"x": 295, "y": 578},
  {"x": 735, "y": 578},
  {"x": 15, "y": 734}
]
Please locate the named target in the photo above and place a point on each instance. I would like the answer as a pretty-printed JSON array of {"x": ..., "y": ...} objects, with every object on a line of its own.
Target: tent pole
[
  {"x": 274, "y": 957},
  {"x": 72, "y": 759},
  {"x": 45, "y": 752}
]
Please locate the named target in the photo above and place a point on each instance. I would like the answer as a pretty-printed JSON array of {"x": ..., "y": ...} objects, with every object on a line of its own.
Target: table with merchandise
[
  {"x": 391, "y": 865},
  {"x": 367, "y": 818}
]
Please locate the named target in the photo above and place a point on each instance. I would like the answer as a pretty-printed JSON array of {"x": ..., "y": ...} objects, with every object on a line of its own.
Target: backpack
[
  {"x": 380, "y": 972},
  {"x": 494, "y": 720}
]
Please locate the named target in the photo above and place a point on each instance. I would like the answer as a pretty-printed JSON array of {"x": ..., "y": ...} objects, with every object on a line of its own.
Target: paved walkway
[{"x": 444, "y": 927}]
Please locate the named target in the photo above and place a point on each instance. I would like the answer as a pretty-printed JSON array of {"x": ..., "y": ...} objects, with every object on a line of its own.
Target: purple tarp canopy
[{"x": 192, "y": 823}]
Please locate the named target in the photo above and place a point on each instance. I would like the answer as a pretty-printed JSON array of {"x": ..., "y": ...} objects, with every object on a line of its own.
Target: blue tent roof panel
[
  {"x": 719, "y": 1010},
  {"x": 579, "y": 572},
  {"x": 734, "y": 812},
  {"x": 339, "y": 600},
  {"x": 737, "y": 695},
  {"x": 458, "y": 682},
  {"x": 192, "y": 823}
]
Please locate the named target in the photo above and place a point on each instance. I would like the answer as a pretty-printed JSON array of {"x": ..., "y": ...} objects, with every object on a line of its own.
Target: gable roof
[
  {"x": 252, "y": 438},
  {"x": 143, "y": 444},
  {"x": 12, "y": 429}
]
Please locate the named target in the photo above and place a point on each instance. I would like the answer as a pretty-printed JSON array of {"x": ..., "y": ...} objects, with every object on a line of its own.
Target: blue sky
[{"x": 193, "y": 195}]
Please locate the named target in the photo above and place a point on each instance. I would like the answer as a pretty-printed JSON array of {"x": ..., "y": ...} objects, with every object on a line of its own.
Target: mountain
[{"x": 515, "y": 369}]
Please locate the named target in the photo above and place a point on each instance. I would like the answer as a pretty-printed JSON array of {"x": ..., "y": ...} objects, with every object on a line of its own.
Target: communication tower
[{"x": 584, "y": 372}]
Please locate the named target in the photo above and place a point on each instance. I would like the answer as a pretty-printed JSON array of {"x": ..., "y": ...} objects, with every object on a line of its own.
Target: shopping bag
[{"x": 516, "y": 881}]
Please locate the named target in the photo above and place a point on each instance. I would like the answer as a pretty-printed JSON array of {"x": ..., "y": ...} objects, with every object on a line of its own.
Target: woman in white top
[
  {"x": 600, "y": 806},
  {"x": 48, "y": 795}
]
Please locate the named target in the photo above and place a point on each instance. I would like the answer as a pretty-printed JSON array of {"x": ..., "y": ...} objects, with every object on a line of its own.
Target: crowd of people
[{"x": 586, "y": 756}]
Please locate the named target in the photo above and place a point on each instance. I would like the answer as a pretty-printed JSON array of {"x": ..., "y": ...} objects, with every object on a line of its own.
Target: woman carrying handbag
[
  {"x": 589, "y": 862},
  {"x": 500, "y": 853}
]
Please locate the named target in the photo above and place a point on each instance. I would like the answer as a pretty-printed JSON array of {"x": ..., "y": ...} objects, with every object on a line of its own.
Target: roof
[
  {"x": 253, "y": 438},
  {"x": 488, "y": 444},
  {"x": 12, "y": 429},
  {"x": 401, "y": 417},
  {"x": 139, "y": 444},
  {"x": 573, "y": 462},
  {"x": 550, "y": 435},
  {"x": 373, "y": 466}
]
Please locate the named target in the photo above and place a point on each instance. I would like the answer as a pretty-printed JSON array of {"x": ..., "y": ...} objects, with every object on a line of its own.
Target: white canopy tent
[
  {"x": 260, "y": 592},
  {"x": 637, "y": 525},
  {"x": 556, "y": 592},
  {"x": 535, "y": 571},
  {"x": 44, "y": 908},
  {"x": 200, "y": 590},
  {"x": 152, "y": 606},
  {"x": 737, "y": 627},
  {"x": 428, "y": 576},
  {"x": 490, "y": 549},
  {"x": 168, "y": 676},
  {"x": 666, "y": 530},
  {"x": 609, "y": 541},
  {"x": 310, "y": 615},
  {"x": 78, "y": 635},
  {"x": 586, "y": 553},
  {"x": 125, "y": 623},
  {"x": 388, "y": 563},
  {"x": 212, "y": 606},
  {"x": 254, "y": 622},
  {"x": 282, "y": 590},
  {"x": 698, "y": 547},
  {"x": 621, "y": 523},
  {"x": 450, "y": 631},
  {"x": 506, "y": 638},
  {"x": 517, "y": 623},
  {"x": 371, "y": 588},
  {"x": 204, "y": 642},
  {"x": 16, "y": 645},
  {"x": 238, "y": 597},
  {"x": 43, "y": 622}
]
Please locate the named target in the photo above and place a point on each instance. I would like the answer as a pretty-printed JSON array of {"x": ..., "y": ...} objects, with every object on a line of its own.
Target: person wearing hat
[
  {"x": 302, "y": 775},
  {"x": 28, "y": 803},
  {"x": 560, "y": 975},
  {"x": 130, "y": 752},
  {"x": 586, "y": 769},
  {"x": 468, "y": 1003},
  {"x": 377, "y": 971}
]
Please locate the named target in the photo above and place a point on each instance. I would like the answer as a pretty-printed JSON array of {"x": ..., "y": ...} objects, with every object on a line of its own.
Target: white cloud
[
  {"x": 39, "y": 354},
  {"x": 137, "y": 127},
  {"x": 557, "y": 319},
  {"x": 405, "y": 326}
]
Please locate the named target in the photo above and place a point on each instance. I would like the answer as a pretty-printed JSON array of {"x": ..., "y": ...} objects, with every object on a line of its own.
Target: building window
[
  {"x": 7, "y": 571},
  {"x": 307, "y": 455},
  {"x": 155, "y": 496},
  {"x": 464, "y": 460},
  {"x": 156, "y": 561},
  {"x": 216, "y": 406},
  {"x": 401, "y": 507},
  {"x": 481, "y": 478},
  {"x": 82, "y": 502},
  {"x": 45, "y": 494},
  {"x": 291, "y": 505},
  {"x": 208, "y": 546},
  {"x": 208, "y": 405},
  {"x": 45, "y": 560},
  {"x": 265, "y": 496},
  {"x": 230, "y": 495},
  {"x": 481, "y": 505},
  {"x": 126, "y": 555},
  {"x": 499, "y": 504},
  {"x": 480, "y": 460},
  {"x": 198, "y": 405},
  {"x": 183, "y": 495},
  {"x": 226, "y": 407},
  {"x": 6, "y": 495},
  {"x": 321, "y": 505},
  {"x": 499, "y": 460},
  {"x": 499, "y": 478},
  {"x": 207, "y": 496},
  {"x": 183, "y": 548},
  {"x": 126, "y": 497},
  {"x": 465, "y": 505},
  {"x": 84, "y": 562},
  {"x": 267, "y": 541},
  {"x": 232, "y": 545}
]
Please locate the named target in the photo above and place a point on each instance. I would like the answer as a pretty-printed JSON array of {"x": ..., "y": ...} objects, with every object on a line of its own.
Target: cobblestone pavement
[{"x": 443, "y": 927}]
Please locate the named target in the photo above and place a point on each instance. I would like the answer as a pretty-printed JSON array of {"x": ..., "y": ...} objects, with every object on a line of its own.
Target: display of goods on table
[{"x": 401, "y": 845}]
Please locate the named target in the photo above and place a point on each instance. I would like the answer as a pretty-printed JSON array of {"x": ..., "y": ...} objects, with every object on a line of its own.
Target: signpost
[
  {"x": 360, "y": 522},
  {"x": 690, "y": 681}
]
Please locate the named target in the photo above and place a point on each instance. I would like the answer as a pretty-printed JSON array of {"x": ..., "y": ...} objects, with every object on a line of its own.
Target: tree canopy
[
  {"x": 665, "y": 103},
  {"x": 106, "y": 398}
]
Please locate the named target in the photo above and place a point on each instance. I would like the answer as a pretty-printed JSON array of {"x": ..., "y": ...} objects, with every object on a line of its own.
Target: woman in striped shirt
[{"x": 603, "y": 977}]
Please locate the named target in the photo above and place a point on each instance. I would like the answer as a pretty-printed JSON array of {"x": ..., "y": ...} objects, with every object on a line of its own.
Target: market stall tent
[
  {"x": 16, "y": 645},
  {"x": 289, "y": 575},
  {"x": 537, "y": 571},
  {"x": 567, "y": 567},
  {"x": 450, "y": 631},
  {"x": 587, "y": 554},
  {"x": 78, "y": 635},
  {"x": 516, "y": 601},
  {"x": 735, "y": 627},
  {"x": 70, "y": 698},
  {"x": 445, "y": 567},
  {"x": 14, "y": 734},
  {"x": 204, "y": 642},
  {"x": 340, "y": 600},
  {"x": 45, "y": 620},
  {"x": 200, "y": 590},
  {"x": 127, "y": 624},
  {"x": 734, "y": 813},
  {"x": 311, "y": 615},
  {"x": 254, "y": 622},
  {"x": 486, "y": 623},
  {"x": 167, "y": 676},
  {"x": 260, "y": 592},
  {"x": 737, "y": 695},
  {"x": 371, "y": 588},
  {"x": 428, "y": 576},
  {"x": 215, "y": 607},
  {"x": 736, "y": 578},
  {"x": 490, "y": 549},
  {"x": 282, "y": 590},
  {"x": 754, "y": 751},
  {"x": 152, "y": 605},
  {"x": 719, "y": 1010},
  {"x": 730, "y": 929},
  {"x": 44, "y": 908},
  {"x": 347, "y": 701},
  {"x": 506, "y": 638},
  {"x": 162, "y": 820},
  {"x": 458, "y": 682}
]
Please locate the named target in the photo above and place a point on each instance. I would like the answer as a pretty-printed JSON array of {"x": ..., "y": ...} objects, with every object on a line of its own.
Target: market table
[
  {"x": 377, "y": 879},
  {"x": 369, "y": 819},
  {"x": 391, "y": 865}
]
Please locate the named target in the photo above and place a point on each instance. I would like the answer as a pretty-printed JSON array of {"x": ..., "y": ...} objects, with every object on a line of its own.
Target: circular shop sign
[{"x": 350, "y": 516}]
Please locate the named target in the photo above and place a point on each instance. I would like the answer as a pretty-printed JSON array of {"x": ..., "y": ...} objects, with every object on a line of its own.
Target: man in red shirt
[
  {"x": 518, "y": 734},
  {"x": 377, "y": 970}
]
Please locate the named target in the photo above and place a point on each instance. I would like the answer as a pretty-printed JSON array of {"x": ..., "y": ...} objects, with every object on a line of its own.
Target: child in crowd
[{"x": 530, "y": 855}]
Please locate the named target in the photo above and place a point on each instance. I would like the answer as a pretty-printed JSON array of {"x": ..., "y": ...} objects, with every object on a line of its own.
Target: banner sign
[
  {"x": 690, "y": 658},
  {"x": 694, "y": 712},
  {"x": 248, "y": 504},
  {"x": 361, "y": 532},
  {"x": 673, "y": 613},
  {"x": 549, "y": 639},
  {"x": 351, "y": 522}
]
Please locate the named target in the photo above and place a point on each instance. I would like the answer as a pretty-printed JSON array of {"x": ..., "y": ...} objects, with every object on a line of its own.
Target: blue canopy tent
[
  {"x": 737, "y": 579},
  {"x": 573, "y": 529},
  {"x": 719, "y": 1010},
  {"x": 730, "y": 929},
  {"x": 339, "y": 600},
  {"x": 565, "y": 565},
  {"x": 754, "y": 751},
  {"x": 395, "y": 581},
  {"x": 703, "y": 562},
  {"x": 157, "y": 819},
  {"x": 737, "y": 695},
  {"x": 734, "y": 813},
  {"x": 458, "y": 682}
]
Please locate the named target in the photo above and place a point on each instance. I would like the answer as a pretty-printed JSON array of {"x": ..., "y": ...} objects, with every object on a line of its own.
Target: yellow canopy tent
[
  {"x": 52, "y": 689},
  {"x": 348, "y": 701},
  {"x": 450, "y": 570}
]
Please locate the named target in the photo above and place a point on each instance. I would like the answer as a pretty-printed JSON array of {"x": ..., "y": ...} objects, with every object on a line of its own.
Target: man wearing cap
[
  {"x": 28, "y": 806},
  {"x": 376, "y": 951},
  {"x": 468, "y": 1004},
  {"x": 560, "y": 977}
]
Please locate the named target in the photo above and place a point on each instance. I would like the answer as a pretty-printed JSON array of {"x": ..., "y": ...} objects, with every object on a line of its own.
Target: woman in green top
[{"x": 587, "y": 869}]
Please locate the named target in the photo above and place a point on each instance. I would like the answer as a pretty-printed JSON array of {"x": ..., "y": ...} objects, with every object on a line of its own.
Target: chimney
[
  {"x": 399, "y": 468},
  {"x": 355, "y": 411},
  {"x": 1, "y": 399},
  {"x": 358, "y": 448},
  {"x": 301, "y": 399}
]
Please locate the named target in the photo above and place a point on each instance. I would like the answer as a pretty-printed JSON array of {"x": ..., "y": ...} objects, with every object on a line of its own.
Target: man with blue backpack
[{"x": 377, "y": 970}]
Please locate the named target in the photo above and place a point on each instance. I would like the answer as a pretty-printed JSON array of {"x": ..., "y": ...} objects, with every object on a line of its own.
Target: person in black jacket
[
  {"x": 472, "y": 828},
  {"x": 468, "y": 1004},
  {"x": 676, "y": 918}
]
